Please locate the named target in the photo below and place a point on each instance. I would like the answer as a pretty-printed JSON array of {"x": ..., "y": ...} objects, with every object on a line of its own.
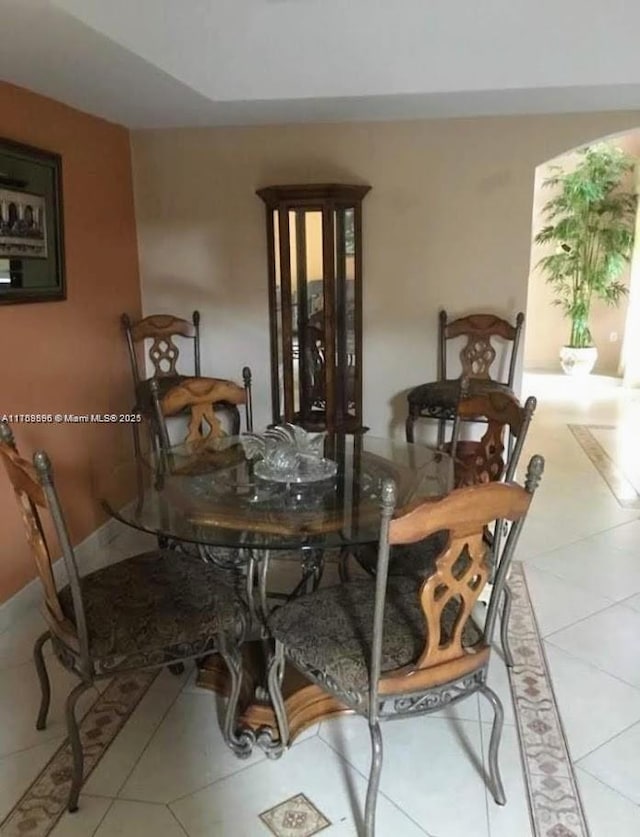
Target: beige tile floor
[{"x": 169, "y": 774}]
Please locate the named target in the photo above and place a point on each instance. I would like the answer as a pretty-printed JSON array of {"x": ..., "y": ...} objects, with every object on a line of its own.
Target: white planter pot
[{"x": 578, "y": 361}]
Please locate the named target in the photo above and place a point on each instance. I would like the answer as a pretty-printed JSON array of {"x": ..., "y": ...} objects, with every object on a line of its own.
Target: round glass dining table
[
  {"x": 211, "y": 500},
  {"x": 211, "y": 495}
]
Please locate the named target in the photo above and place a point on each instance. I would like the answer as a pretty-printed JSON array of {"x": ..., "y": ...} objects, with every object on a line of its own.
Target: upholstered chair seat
[
  {"x": 330, "y": 632},
  {"x": 153, "y": 608},
  {"x": 439, "y": 399}
]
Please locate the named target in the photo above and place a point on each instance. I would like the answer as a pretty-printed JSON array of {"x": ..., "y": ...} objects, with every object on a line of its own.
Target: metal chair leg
[
  {"x": 312, "y": 569},
  {"x": 316, "y": 578},
  {"x": 496, "y": 787},
  {"x": 408, "y": 428},
  {"x": 43, "y": 677},
  {"x": 504, "y": 625},
  {"x": 374, "y": 780},
  {"x": 136, "y": 439},
  {"x": 76, "y": 744},
  {"x": 241, "y": 745},
  {"x": 344, "y": 573},
  {"x": 275, "y": 677}
]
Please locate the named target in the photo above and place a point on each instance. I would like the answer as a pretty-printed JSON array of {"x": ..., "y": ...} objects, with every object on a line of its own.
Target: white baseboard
[{"x": 103, "y": 546}]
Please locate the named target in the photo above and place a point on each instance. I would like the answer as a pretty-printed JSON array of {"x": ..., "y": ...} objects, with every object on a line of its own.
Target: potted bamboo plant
[{"x": 591, "y": 220}]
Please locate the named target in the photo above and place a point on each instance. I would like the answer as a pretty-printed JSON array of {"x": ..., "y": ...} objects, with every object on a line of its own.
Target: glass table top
[{"x": 215, "y": 496}]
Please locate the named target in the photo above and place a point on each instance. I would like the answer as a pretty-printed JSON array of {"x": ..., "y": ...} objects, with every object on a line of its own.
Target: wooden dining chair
[
  {"x": 478, "y": 358},
  {"x": 493, "y": 458},
  {"x": 151, "y": 610},
  {"x": 395, "y": 647},
  {"x": 161, "y": 335}
]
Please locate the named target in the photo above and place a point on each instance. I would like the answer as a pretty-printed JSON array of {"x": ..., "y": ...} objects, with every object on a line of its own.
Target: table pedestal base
[{"x": 305, "y": 702}]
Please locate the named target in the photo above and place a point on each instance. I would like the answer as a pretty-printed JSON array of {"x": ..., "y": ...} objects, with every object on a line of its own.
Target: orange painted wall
[{"x": 70, "y": 357}]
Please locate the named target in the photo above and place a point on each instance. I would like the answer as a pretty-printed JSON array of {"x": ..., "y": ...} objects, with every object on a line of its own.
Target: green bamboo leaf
[{"x": 591, "y": 221}]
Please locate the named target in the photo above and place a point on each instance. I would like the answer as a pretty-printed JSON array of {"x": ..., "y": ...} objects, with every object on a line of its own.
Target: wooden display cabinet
[{"x": 314, "y": 241}]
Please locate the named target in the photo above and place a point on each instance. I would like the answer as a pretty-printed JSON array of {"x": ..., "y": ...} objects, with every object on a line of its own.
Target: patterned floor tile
[{"x": 295, "y": 817}]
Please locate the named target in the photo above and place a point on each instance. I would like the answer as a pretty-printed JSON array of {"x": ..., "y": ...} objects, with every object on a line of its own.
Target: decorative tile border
[
  {"x": 295, "y": 817},
  {"x": 41, "y": 806},
  {"x": 554, "y": 800},
  {"x": 624, "y": 492}
]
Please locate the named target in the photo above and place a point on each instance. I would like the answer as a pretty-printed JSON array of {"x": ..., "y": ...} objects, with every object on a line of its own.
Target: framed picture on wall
[{"x": 31, "y": 225}]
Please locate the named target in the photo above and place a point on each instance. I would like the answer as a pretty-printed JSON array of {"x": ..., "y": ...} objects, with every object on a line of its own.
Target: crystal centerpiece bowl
[{"x": 288, "y": 454}]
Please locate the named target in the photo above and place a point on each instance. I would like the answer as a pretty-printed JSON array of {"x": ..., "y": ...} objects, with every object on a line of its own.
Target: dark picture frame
[{"x": 32, "y": 265}]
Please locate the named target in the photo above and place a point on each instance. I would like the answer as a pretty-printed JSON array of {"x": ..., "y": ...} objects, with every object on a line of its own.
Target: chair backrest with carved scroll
[
  {"x": 478, "y": 353},
  {"x": 486, "y": 460},
  {"x": 35, "y": 492},
  {"x": 203, "y": 397},
  {"x": 448, "y": 596},
  {"x": 163, "y": 352}
]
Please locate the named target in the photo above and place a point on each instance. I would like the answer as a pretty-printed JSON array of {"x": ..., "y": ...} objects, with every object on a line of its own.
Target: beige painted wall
[
  {"x": 447, "y": 223},
  {"x": 542, "y": 345}
]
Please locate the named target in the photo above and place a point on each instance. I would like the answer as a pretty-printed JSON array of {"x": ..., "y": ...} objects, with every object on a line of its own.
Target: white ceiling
[{"x": 160, "y": 63}]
